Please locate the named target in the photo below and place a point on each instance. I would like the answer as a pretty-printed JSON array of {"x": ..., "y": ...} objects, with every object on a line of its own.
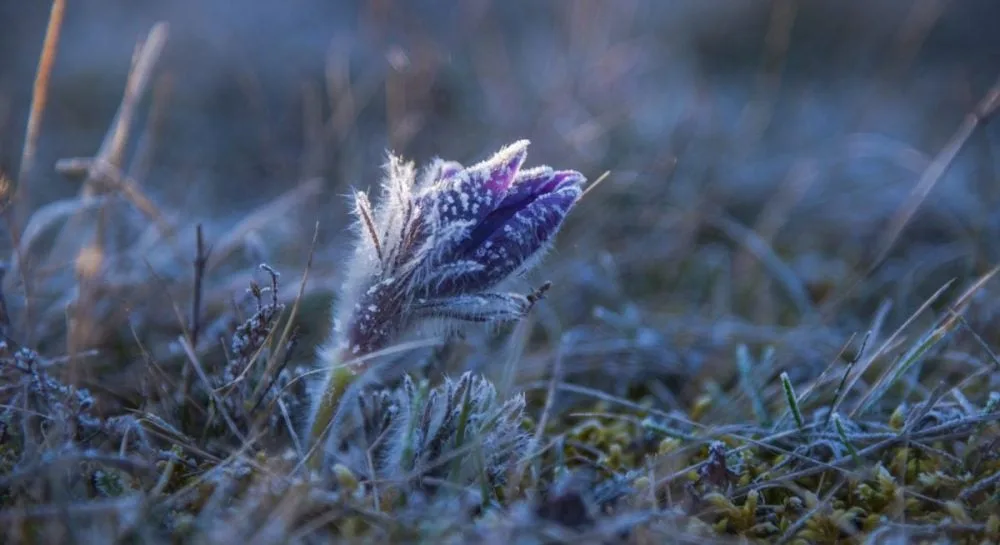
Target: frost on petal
[
  {"x": 374, "y": 319},
  {"x": 496, "y": 174},
  {"x": 531, "y": 183},
  {"x": 438, "y": 171},
  {"x": 470, "y": 194},
  {"x": 535, "y": 183},
  {"x": 526, "y": 219},
  {"x": 449, "y": 169},
  {"x": 511, "y": 245}
]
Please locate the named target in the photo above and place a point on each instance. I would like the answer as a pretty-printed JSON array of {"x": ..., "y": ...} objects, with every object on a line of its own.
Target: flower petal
[
  {"x": 470, "y": 194},
  {"x": 514, "y": 242},
  {"x": 449, "y": 169},
  {"x": 536, "y": 181},
  {"x": 439, "y": 171},
  {"x": 527, "y": 189},
  {"x": 497, "y": 173},
  {"x": 504, "y": 251}
]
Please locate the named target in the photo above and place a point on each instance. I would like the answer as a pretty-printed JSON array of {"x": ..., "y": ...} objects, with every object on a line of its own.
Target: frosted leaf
[{"x": 483, "y": 307}]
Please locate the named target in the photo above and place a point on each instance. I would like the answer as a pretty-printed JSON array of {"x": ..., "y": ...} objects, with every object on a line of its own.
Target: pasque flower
[{"x": 437, "y": 249}]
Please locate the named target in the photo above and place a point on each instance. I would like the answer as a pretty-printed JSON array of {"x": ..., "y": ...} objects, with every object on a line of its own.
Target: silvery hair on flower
[{"x": 441, "y": 242}]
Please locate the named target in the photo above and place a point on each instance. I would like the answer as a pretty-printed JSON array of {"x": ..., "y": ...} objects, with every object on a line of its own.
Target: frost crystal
[{"x": 441, "y": 240}]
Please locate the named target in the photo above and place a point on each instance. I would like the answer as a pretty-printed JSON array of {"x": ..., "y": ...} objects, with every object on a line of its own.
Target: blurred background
[{"x": 758, "y": 153}]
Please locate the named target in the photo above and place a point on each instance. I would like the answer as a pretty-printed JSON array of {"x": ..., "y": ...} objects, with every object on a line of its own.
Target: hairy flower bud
[{"x": 437, "y": 246}]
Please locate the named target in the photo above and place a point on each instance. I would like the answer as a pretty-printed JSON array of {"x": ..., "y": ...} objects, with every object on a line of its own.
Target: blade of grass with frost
[
  {"x": 942, "y": 327},
  {"x": 745, "y": 364},
  {"x": 435, "y": 251},
  {"x": 793, "y": 403}
]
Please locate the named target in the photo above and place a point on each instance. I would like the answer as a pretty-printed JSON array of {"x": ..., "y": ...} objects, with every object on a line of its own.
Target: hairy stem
[{"x": 337, "y": 382}]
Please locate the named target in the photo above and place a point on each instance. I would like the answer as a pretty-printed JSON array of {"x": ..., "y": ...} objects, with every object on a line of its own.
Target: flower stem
[{"x": 337, "y": 382}]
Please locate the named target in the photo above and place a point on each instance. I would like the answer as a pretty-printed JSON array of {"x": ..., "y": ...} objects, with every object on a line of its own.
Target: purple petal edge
[{"x": 513, "y": 242}]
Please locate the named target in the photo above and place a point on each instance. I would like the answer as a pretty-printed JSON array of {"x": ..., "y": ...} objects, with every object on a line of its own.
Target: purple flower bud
[{"x": 435, "y": 248}]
